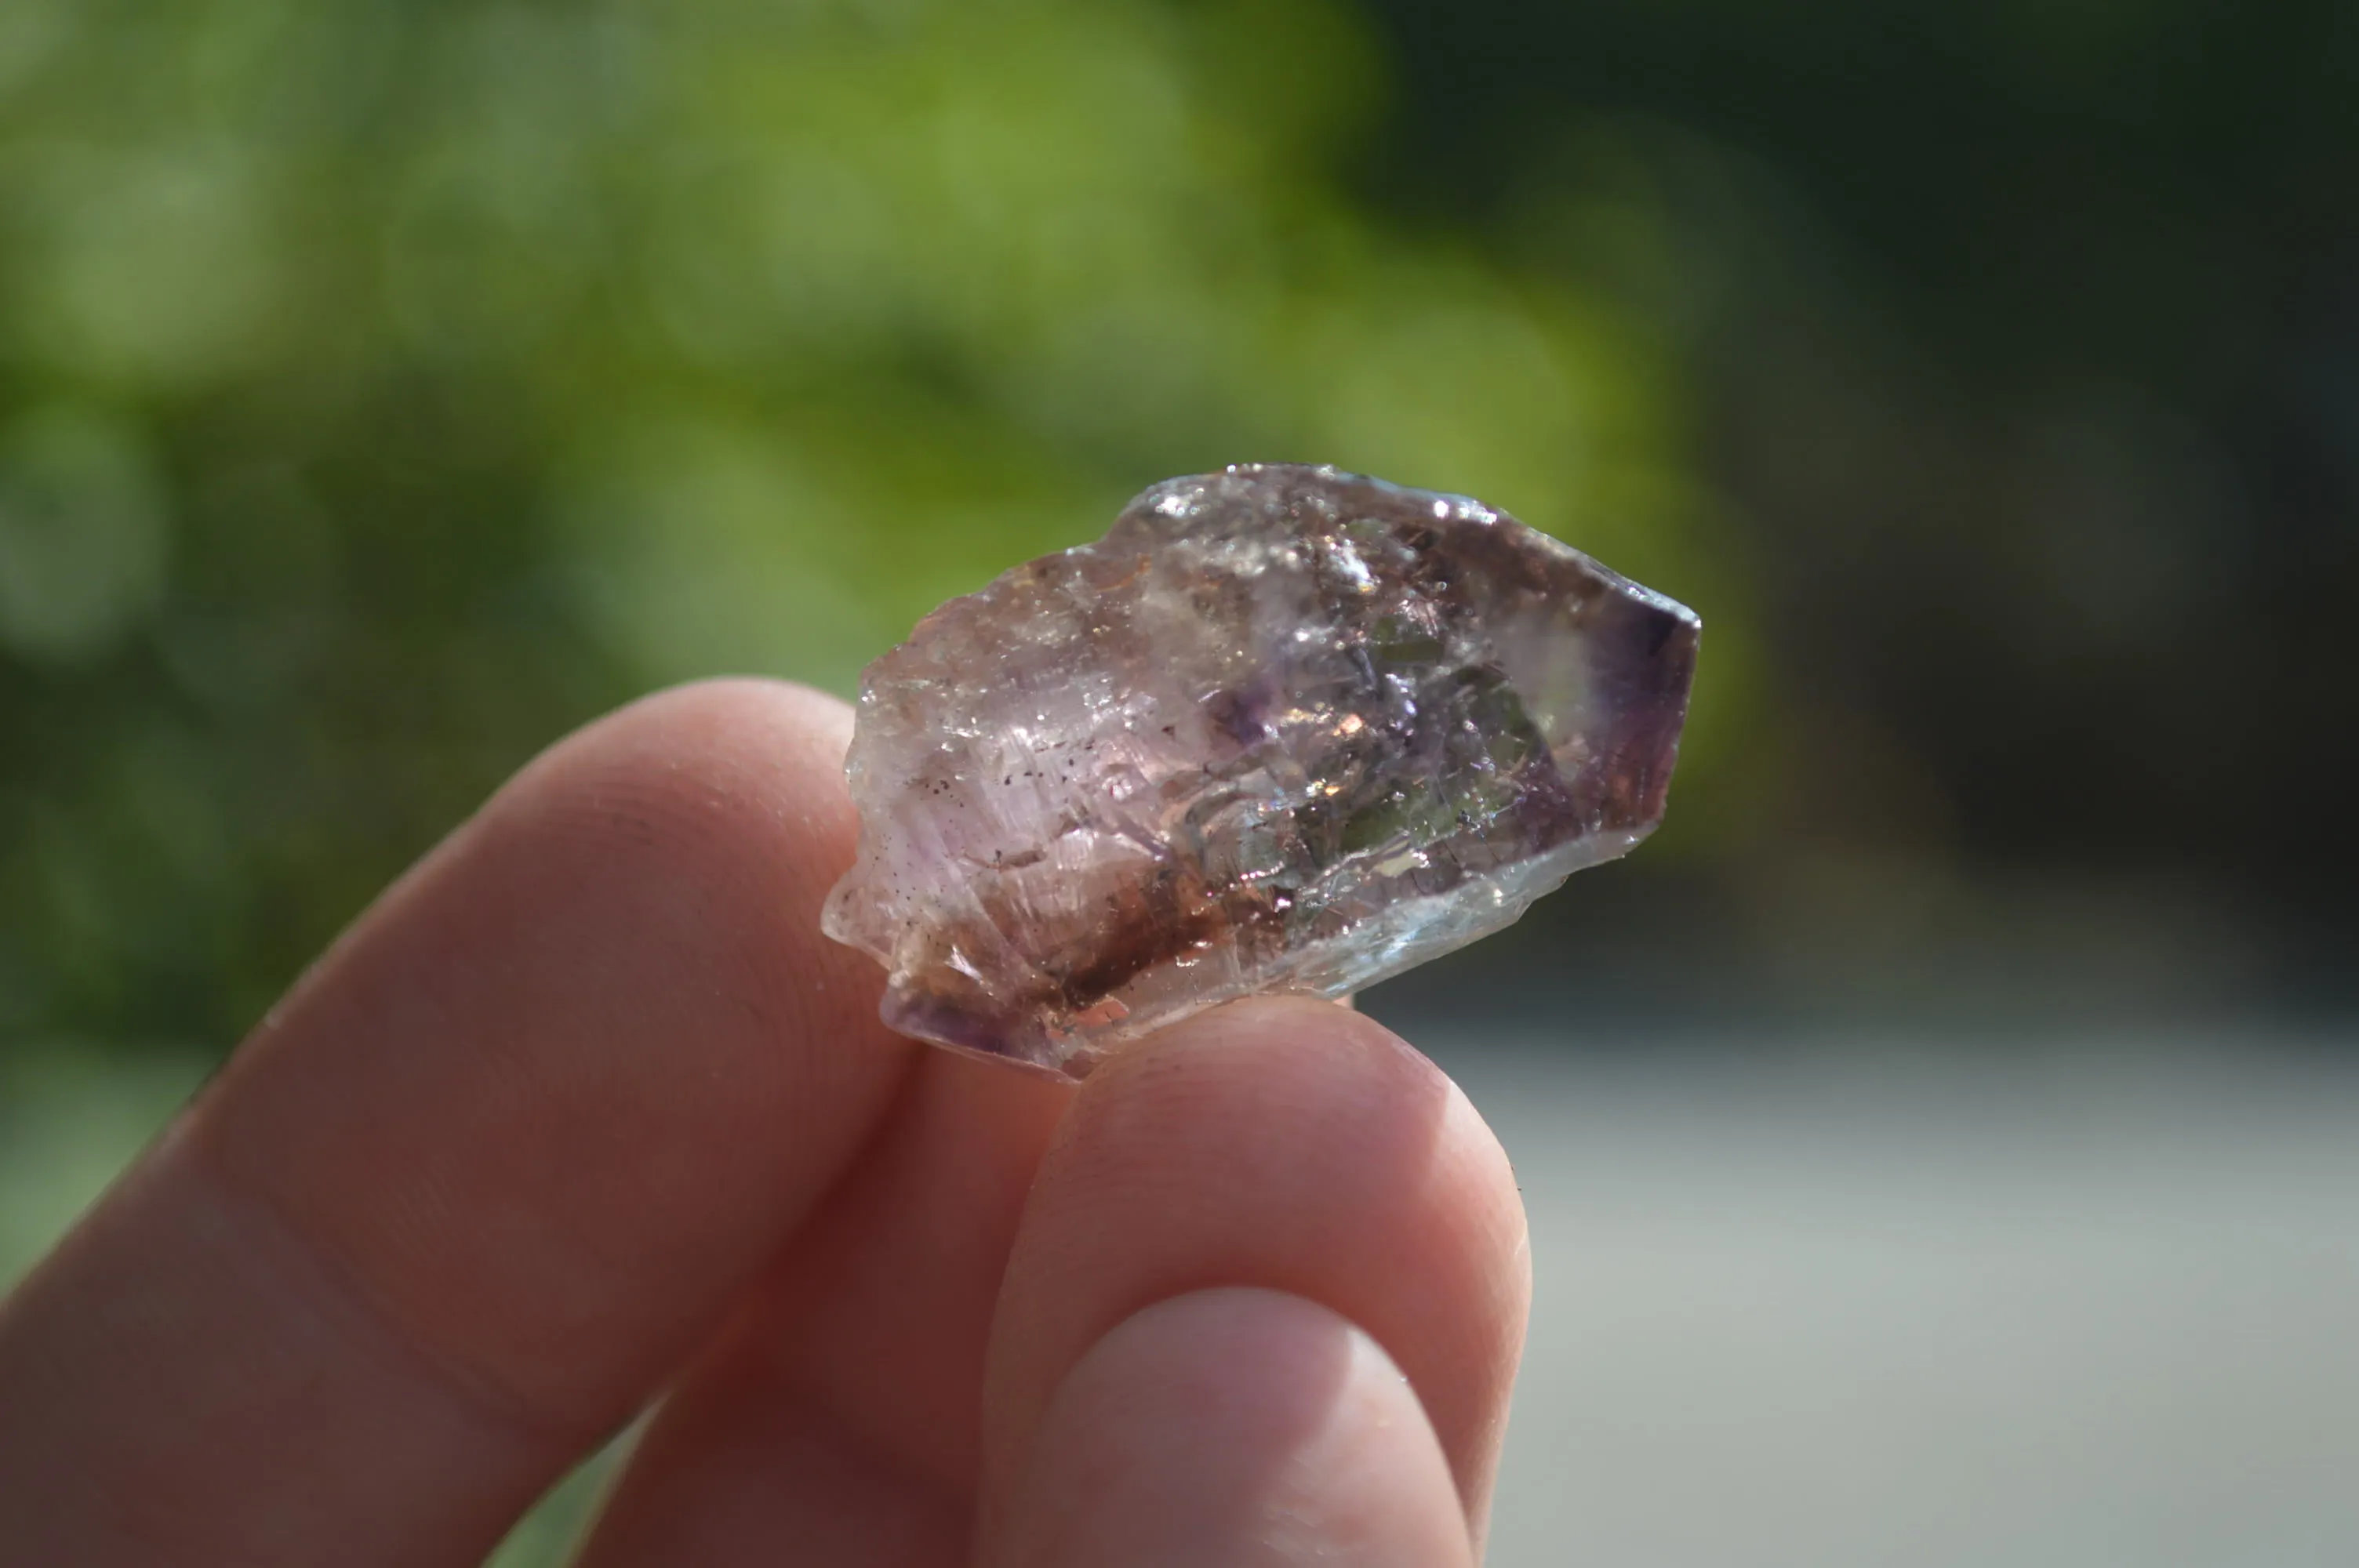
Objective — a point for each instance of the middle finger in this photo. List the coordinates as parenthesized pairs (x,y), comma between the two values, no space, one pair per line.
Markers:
(841,1410)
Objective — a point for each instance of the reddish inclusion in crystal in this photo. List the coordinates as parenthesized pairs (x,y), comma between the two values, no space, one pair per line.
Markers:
(1283,728)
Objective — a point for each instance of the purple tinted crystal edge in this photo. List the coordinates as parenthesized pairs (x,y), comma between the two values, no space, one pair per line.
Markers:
(1282,728)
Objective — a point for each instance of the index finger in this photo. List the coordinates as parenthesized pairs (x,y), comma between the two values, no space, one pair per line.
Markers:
(491,1171)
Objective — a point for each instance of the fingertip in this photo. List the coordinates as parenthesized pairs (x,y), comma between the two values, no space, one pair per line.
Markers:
(1237,1426)
(711,816)
(1304,1062)
(599,1037)
(1291,1047)
(1284,1143)
(502,1160)
(772,725)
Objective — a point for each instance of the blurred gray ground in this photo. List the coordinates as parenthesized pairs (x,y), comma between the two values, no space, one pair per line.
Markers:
(1988,1303)
(2082,1307)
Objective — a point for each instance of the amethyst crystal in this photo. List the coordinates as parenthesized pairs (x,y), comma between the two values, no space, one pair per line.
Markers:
(1283,728)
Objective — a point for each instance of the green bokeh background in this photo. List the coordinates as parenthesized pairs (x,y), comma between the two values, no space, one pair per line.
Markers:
(384,389)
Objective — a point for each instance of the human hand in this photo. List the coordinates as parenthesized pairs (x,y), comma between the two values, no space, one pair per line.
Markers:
(585,1111)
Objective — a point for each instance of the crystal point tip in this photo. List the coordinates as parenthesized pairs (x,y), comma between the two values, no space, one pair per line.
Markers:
(1282,728)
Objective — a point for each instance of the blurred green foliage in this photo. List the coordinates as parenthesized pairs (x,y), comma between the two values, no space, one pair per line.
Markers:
(385,387)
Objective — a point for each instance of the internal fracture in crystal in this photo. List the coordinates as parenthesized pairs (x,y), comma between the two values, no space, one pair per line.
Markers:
(1283,728)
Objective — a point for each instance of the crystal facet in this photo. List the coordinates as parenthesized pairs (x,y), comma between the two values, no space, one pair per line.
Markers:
(1283,728)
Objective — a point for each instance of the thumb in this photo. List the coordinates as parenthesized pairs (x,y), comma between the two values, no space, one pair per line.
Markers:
(1237,1427)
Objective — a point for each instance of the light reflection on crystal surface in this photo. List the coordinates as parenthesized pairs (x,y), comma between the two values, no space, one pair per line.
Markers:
(1283,728)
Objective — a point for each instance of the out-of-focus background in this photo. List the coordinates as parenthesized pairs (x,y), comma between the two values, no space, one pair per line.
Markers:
(1943,1137)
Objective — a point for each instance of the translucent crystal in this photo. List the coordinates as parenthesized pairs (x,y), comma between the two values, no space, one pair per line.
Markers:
(1283,728)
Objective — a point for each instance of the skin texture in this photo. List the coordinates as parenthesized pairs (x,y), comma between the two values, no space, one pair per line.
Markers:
(1239,1427)
(584,1114)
